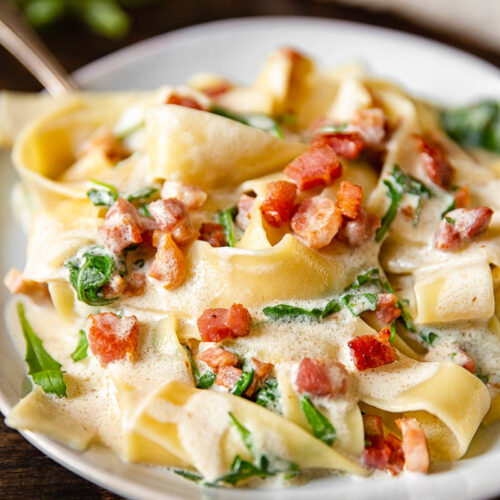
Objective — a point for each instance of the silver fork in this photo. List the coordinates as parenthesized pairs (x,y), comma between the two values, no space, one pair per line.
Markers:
(19,39)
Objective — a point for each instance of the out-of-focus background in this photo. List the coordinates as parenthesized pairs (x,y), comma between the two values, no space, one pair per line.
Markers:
(80,31)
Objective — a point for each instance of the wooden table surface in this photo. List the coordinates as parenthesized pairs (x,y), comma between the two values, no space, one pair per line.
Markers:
(24,471)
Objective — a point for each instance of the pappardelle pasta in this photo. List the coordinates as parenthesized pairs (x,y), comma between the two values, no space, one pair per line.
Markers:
(246,283)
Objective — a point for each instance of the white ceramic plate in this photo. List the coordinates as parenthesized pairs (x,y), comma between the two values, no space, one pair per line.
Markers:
(237,48)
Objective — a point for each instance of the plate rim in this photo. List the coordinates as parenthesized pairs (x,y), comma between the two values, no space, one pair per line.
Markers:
(58,452)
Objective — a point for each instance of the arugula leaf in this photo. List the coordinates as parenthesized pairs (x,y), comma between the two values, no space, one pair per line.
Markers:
(190,476)
(370,277)
(393,333)
(450,220)
(285,312)
(429,337)
(261,122)
(409,183)
(243,432)
(268,395)
(143,194)
(401,304)
(395,196)
(226,218)
(331,307)
(474,126)
(243,383)
(322,428)
(89,273)
(204,381)
(240,470)
(45,371)
(144,211)
(81,349)
(102,197)
(358,303)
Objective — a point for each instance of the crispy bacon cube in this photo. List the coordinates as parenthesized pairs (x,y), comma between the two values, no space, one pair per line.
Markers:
(217,324)
(462,197)
(262,370)
(278,205)
(168,214)
(317,221)
(218,89)
(371,123)
(135,284)
(355,232)
(182,100)
(122,226)
(349,198)
(15,282)
(374,429)
(397,459)
(387,311)
(228,376)
(462,225)
(414,448)
(317,166)
(169,264)
(216,357)
(436,166)
(112,338)
(348,145)
(377,457)
(464,360)
(245,206)
(110,146)
(213,234)
(372,351)
(321,378)
(193,197)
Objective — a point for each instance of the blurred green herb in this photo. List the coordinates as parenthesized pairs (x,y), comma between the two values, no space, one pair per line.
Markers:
(104,17)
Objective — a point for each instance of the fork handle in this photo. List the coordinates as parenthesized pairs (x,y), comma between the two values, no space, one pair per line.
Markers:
(24,44)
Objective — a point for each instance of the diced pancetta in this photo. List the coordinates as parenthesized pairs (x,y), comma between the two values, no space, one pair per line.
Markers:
(15,282)
(187,102)
(112,338)
(122,226)
(169,264)
(372,351)
(349,198)
(112,148)
(435,164)
(213,234)
(461,226)
(278,205)
(321,377)
(317,166)
(371,124)
(217,324)
(317,221)
(228,376)
(193,197)
(462,197)
(464,360)
(216,357)
(135,284)
(262,370)
(245,206)
(358,231)
(387,310)
(414,447)
(348,145)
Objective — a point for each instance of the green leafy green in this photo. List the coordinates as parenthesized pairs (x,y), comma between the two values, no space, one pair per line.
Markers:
(204,381)
(450,220)
(393,333)
(402,304)
(370,277)
(395,196)
(81,349)
(88,274)
(243,383)
(263,465)
(476,126)
(331,307)
(190,476)
(144,210)
(262,122)
(45,371)
(358,303)
(482,376)
(268,394)
(322,428)
(285,312)
(398,184)
(329,129)
(226,218)
(104,197)
(142,195)
(428,337)
(449,207)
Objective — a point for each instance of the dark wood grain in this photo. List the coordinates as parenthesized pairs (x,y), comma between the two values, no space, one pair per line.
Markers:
(25,473)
